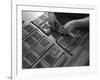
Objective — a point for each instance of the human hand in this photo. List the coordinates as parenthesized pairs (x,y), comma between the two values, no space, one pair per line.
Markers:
(53,22)
(68,27)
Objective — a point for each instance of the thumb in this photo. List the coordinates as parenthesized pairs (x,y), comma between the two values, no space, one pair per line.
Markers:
(51,20)
(69,26)
(62,30)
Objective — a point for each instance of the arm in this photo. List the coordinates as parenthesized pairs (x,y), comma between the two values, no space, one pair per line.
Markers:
(73,24)
(83,22)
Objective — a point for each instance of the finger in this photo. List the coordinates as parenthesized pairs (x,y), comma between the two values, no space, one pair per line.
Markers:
(70,25)
(56,26)
(61,29)
(70,28)
(65,31)
(52,26)
(51,20)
